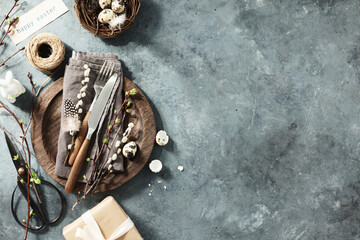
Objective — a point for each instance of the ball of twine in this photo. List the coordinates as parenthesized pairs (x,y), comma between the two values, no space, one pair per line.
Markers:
(45,52)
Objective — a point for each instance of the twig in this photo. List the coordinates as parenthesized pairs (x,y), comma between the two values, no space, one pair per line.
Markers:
(12,136)
(11,22)
(27,157)
(2,105)
(7,15)
(12,56)
(100,175)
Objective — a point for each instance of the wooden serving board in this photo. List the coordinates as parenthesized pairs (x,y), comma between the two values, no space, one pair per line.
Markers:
(45,129)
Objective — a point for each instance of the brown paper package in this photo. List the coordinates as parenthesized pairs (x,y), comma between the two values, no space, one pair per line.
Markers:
(108,215)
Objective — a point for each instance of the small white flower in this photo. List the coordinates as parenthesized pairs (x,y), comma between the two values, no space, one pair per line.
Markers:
(124,139)
(109,161)
(83,82)
(77,106)
(119,151)
(87,72)
(79,96)
(83,89)
(117,144)
(86,66)
(131,125)
(69,146)
(86,80)
(110,167)
(80,103)
(127,132)
(114,157)
(83,94)
(80,110)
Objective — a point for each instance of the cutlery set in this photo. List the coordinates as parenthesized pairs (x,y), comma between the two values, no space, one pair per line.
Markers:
(103,87)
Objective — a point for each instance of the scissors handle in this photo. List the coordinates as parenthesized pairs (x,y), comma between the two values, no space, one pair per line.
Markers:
(38,209)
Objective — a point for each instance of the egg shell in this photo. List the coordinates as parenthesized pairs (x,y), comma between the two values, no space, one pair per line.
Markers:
(155,166)
(162,138)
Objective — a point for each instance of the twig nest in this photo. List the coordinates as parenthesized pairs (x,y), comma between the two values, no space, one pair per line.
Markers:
(118,6)
(130,149)
(162,138)
(106,15)
(155,166)
(104,3)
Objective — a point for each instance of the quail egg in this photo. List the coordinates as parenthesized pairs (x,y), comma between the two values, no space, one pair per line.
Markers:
(130,149)
(104,3)
(106,15)
(118,6)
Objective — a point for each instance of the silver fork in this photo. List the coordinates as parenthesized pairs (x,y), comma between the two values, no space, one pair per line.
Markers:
(105,73)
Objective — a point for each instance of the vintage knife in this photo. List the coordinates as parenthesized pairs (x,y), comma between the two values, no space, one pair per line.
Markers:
(92,125)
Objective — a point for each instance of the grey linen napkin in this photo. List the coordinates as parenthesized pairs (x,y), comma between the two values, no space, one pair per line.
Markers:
(74,74)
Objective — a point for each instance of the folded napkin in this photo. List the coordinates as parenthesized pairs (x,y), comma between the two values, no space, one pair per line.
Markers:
(73,77)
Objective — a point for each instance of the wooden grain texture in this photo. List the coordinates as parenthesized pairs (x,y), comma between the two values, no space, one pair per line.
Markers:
(80,138)
(46,126)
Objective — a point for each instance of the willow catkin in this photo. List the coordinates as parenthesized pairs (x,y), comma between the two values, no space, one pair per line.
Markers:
(45,52)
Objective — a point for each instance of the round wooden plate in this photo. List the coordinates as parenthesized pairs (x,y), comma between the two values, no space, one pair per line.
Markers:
(45,129)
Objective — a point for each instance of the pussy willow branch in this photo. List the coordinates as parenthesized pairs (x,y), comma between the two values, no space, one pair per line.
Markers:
(93,168)
(7,15)
(3,64)
(100,176)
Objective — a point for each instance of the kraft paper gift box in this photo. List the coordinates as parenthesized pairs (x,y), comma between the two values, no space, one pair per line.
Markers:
(109,217)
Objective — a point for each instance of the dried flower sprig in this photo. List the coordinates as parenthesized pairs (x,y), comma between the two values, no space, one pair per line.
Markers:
(103,171)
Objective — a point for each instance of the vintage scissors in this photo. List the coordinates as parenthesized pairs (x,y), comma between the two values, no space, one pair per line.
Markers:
(40,218)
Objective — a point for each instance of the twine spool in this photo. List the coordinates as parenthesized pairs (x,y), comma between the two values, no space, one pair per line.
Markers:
(45,52)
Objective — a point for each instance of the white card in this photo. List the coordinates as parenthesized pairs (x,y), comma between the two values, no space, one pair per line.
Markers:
(36,18)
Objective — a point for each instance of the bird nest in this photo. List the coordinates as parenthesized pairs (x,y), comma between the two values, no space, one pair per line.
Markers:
(87,12)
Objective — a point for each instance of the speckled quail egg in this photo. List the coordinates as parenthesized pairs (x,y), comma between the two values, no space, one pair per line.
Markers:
(118,6)
(130,149)
(105,3)
(106,15)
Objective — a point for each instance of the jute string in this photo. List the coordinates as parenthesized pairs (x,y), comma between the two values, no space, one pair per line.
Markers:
(45,52)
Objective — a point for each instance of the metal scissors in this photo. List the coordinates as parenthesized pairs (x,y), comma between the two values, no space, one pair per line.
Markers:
(37,205)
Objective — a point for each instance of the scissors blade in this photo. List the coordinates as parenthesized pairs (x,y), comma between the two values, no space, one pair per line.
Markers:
(19,162)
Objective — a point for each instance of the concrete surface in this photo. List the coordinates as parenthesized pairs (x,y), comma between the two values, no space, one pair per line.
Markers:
(261,103)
